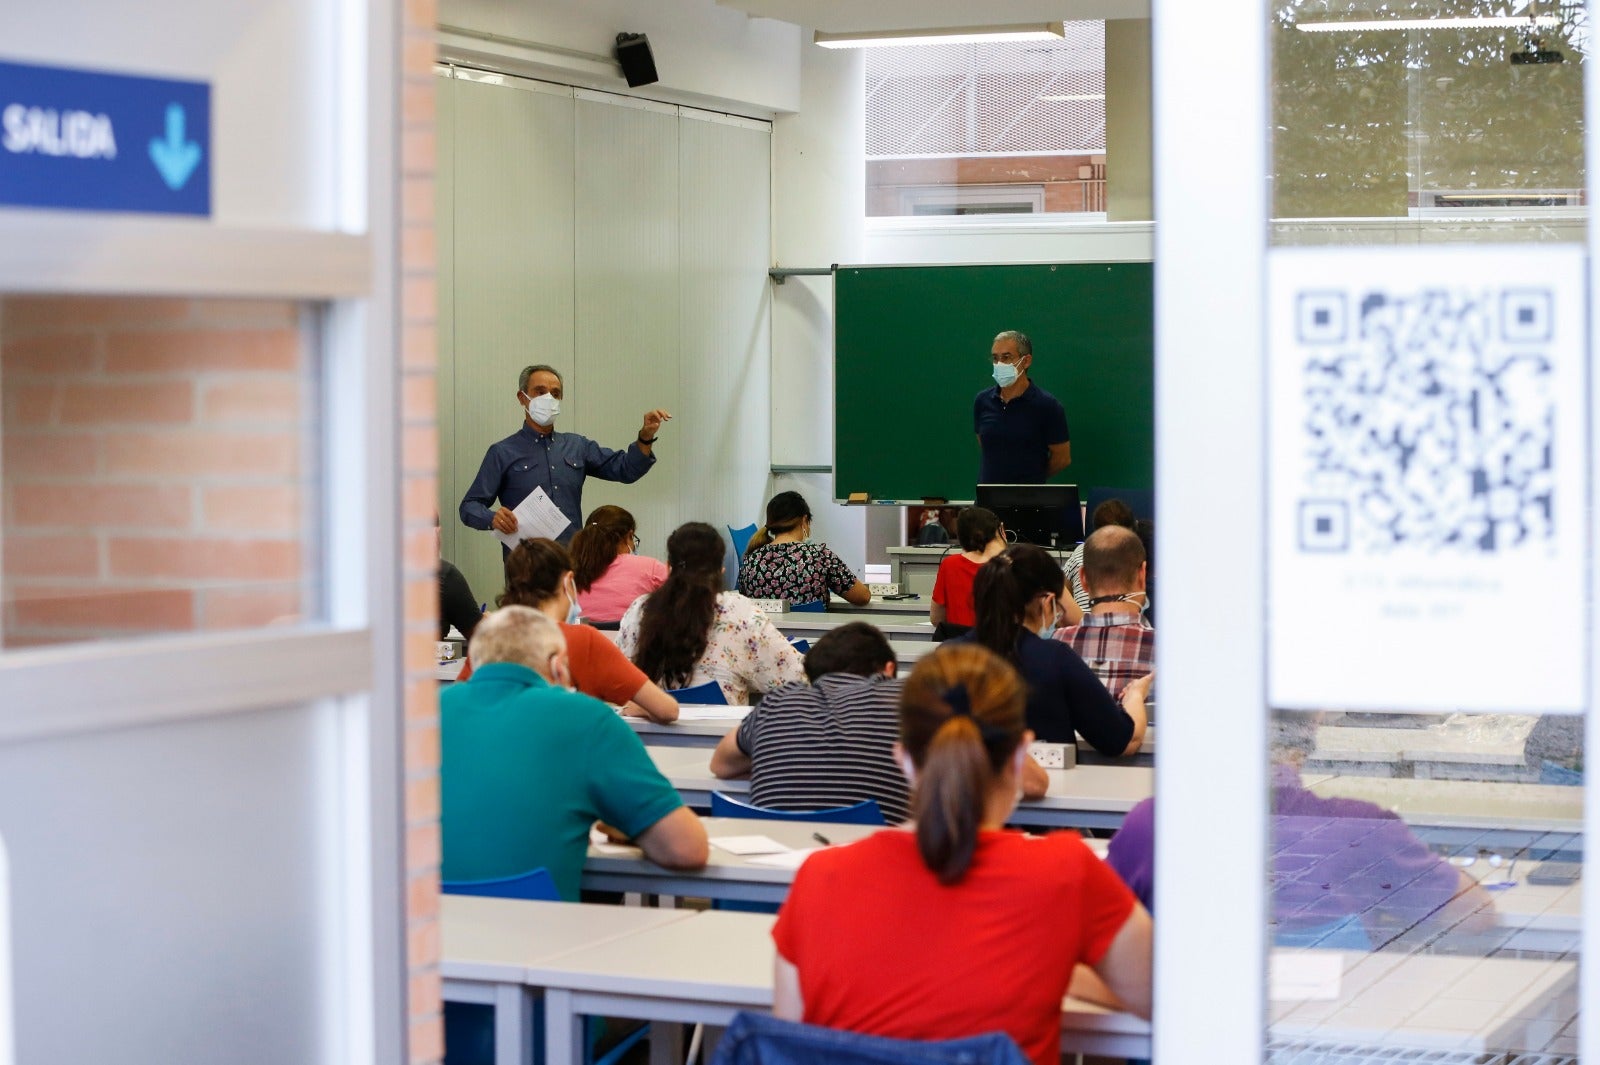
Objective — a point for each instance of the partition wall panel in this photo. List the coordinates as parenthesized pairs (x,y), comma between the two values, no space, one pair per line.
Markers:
(626,300)
(625,242)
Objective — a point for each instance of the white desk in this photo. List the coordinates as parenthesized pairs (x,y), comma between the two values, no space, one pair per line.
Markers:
(688,968)
(1435,1002)
(1475,746)
(488,944)
(1090,796)
(706,732)
(1464,803)
(812,625)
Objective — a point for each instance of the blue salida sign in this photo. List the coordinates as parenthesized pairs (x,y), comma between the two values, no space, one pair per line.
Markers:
(87,140)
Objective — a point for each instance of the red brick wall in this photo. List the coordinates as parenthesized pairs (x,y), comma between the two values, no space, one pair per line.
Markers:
(1071,182)
(420,460)
(153,460)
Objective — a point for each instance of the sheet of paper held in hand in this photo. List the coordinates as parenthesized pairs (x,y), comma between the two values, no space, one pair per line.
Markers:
(536,516)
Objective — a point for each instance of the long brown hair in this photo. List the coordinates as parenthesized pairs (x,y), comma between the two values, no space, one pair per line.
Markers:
(1002,590)
(533,573)
(675,624)
(597,545)
(961,719)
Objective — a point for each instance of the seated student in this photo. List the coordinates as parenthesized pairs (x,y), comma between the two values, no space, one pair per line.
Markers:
(1114,638)
(457,607)
(829,743)
(527,766)
(1111,512)
(608,573)
(1346,874)
(981,537)
(539,575)
(958,926)
(1016,595)
(782,562)
(689,631)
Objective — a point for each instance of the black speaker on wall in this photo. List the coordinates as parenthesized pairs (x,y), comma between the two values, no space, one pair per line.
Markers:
(638,65)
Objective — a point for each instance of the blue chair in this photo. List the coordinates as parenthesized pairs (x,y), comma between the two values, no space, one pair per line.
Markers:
(707,694)
(757,1039)
(866,812)
(537,885)
(803,646)
(740,539)
(819,607)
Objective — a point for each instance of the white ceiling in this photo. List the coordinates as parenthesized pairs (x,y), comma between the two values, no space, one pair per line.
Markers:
(840,16)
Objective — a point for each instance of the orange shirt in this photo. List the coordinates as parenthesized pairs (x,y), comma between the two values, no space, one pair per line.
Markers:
(884,949)
(598,667)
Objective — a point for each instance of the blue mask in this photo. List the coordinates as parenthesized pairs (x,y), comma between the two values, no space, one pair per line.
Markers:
(1048,631)
(1005,374)
(574,615)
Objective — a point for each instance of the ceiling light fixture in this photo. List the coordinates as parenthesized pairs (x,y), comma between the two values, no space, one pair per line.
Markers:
(1487,22)
(1038,31)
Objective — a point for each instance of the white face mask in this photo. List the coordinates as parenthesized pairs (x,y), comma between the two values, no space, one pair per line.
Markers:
(543,409)
(1005,374)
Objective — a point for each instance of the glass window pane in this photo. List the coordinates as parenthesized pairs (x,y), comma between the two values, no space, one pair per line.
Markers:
(159,464)
(1422,884)
(1009,127)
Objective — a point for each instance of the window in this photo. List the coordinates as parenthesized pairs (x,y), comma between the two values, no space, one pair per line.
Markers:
(994,128)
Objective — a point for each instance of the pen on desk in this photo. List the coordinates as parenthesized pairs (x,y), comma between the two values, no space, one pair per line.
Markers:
(820,838)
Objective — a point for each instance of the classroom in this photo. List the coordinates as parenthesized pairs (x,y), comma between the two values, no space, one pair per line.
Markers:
(1309,280)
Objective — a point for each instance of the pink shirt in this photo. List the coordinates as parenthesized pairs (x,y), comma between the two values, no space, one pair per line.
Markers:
(626,579)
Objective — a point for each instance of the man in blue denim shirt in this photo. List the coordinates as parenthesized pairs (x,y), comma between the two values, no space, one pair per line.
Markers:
(536,456)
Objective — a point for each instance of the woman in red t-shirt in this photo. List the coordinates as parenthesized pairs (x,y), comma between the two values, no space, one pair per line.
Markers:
(539,575)
(959,926)
(981,537)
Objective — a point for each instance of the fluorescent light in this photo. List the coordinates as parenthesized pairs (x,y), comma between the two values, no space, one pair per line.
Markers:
(1504,22)
(1076,96)
(1038,31)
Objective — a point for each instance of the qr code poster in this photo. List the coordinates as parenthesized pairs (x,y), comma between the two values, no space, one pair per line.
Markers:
(1426,479)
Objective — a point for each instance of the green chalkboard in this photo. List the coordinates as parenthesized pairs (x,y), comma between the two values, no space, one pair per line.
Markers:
(911,350)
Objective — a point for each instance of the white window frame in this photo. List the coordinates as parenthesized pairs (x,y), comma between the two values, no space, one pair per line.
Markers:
(353,659)
(914,196)
(1211,244)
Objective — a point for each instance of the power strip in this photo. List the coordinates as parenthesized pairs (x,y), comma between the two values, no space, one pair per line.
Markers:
(881,590)
(1054,755)
(773,606)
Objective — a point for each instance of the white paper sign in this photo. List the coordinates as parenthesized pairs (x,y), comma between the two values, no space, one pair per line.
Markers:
(536,517)
(1425,478)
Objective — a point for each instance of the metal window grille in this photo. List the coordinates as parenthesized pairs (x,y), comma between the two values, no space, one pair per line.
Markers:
(989,99)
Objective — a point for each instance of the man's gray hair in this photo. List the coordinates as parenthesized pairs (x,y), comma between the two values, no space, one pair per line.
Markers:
(516,634)
(1024,345)
(538,367)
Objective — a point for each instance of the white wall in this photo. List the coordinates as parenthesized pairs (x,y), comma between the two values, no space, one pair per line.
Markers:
(915,240)
(706,55)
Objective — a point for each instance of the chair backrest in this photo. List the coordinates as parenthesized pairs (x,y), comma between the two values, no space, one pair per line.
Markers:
(819,607)
(803,646)
(758,1039)
(707,694)
(866,812)
(738,540)
(537,885)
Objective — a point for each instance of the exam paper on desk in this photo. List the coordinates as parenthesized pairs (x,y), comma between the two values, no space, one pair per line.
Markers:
(745,845)
(536,517)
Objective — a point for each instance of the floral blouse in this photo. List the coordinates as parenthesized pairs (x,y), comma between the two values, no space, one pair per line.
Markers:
(745,652)
(801,572)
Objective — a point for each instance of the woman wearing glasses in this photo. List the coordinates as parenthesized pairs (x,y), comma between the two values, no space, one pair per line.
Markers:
(608,573)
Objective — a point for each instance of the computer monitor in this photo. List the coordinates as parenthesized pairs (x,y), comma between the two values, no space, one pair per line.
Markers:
(1045,514)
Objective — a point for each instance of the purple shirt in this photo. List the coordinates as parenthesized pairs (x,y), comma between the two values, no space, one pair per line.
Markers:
(1332,859)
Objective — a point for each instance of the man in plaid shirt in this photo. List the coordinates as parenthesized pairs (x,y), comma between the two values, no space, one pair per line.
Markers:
(1114,638)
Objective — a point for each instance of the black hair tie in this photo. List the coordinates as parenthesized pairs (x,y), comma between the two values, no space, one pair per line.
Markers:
(960,702)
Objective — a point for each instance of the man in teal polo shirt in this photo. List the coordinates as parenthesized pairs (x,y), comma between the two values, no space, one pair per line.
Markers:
(528,766)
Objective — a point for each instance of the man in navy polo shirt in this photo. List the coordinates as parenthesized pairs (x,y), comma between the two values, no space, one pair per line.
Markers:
(1022,429)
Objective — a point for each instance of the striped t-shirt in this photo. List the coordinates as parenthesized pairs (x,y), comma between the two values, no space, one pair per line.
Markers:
(814,747)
